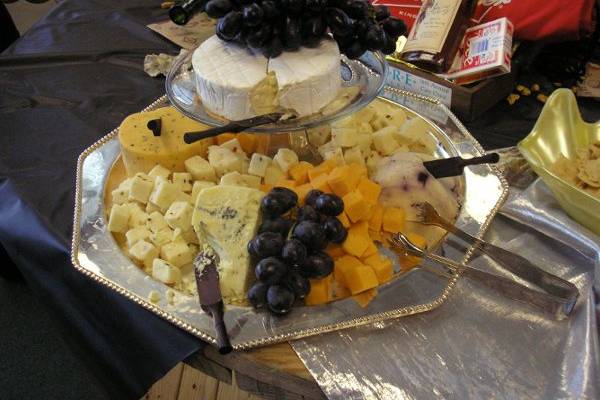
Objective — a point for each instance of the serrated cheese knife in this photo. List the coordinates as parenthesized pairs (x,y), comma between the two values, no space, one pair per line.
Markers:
(209,292)
(232,127)
(454,166)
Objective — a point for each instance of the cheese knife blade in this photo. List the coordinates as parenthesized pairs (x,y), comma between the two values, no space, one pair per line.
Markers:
(232,127)
(209,294)
(453,166)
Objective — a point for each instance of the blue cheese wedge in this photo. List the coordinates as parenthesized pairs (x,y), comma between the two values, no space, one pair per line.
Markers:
(226,218)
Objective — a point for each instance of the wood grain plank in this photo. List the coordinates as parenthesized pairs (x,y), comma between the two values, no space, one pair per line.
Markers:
(199,362)
(197,386)
(167,387)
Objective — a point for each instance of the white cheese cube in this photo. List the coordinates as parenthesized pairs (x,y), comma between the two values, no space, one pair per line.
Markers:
(346,122)
(141,187)
(326,148)
(319,136)
(200,169)
(354,155)
(235,146)
(384,140)
(161,237)
(258,164)
(183,180)
(379,122)
(156,222)
(187,237)
(197,187)
(245,165)
(118,219)
(395,118)
(285,158)
(237,179)
(165,272)
(224,160)
(184,197)
(151,207)
(373,161)
(336,154)
(273,174)
(365,128)
(136,234)
(164,193)
(365,141)
(121,194)
(366,114)
(179,215)
(159,170)
(137,217)
(176,253)
(344,136)
(144,253)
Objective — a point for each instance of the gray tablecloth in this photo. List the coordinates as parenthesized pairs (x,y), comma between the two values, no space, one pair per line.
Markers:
(478,344)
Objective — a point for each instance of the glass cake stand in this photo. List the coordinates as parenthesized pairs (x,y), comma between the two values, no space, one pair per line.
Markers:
(362,81)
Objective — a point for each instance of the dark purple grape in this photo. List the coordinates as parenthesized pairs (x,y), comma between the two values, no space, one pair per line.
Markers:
(277,203)
(374,38)
(298,284)
(344,41)
(271,270)
(313,26)
(257,295)
(393,26)
(273,49)
(244,2)
(270,9)
(381,13)
(335,230)
(311,197)
(294,252)
(389,45)
(266,244)
(361,27)
(317,265)
(253,14)
(311,41)
(277,225)
(280,299)
(292,6)
(357,9)
(230,25)
(311,234)
(316,5)
(338,21)
(218,8)
(259,36)
(329,204)
(355,50)
(290,196)
(292,39)
(307,213)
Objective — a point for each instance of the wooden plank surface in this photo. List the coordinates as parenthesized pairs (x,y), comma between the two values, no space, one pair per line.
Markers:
(168,386)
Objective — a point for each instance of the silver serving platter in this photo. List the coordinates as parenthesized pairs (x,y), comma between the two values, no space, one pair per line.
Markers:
(96,254)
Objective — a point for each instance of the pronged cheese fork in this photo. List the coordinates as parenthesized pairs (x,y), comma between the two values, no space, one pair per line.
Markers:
(520,266)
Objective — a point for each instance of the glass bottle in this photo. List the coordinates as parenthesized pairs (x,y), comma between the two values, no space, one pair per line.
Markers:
(437,33)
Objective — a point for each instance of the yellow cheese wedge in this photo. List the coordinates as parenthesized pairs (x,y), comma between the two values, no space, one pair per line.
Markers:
(141,150)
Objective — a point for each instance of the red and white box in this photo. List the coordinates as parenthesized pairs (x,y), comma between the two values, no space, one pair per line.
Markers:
(484,52)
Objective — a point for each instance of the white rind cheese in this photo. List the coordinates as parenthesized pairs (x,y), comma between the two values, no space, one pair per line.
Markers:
(308,79)
(236,83)
(227,218)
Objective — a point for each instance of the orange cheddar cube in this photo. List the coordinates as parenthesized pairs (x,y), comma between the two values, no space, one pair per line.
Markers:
(342,180)
(335,251)
(361,227)
(324,168)
(355,206)
(408,261)
(302,191)
(370,190)
(262,144)
(265,187)
(341,267)
(225,137)
(320,182)
(375,235)
(344,220)
(341,292)
(360,279)
(382,266)
(376,218)
(356,242)
(393,219)
(371,250)
(320,292)
(299,172)
(363,299)
(286,183)
(359,170)
(248,141)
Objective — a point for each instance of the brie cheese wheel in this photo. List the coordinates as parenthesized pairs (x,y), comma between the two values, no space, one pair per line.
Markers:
(237,83)
(227,218)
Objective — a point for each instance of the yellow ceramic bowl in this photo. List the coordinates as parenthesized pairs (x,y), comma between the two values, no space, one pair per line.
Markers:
(560,130)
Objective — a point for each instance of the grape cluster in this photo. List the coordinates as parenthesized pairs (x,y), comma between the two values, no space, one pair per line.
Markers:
(288,249)
(274,26)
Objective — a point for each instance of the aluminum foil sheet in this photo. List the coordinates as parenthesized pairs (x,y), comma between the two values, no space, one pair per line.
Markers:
(479,345)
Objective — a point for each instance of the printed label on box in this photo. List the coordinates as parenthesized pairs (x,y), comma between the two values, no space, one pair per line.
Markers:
(412,83)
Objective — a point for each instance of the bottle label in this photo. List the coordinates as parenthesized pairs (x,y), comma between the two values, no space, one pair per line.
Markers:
(432,26)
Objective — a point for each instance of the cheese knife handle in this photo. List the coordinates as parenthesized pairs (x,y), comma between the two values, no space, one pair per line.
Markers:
(222,337)
(191,137)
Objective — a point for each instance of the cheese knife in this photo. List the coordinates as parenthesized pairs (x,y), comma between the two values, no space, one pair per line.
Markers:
(232,127)
(209,292)
(453,166)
